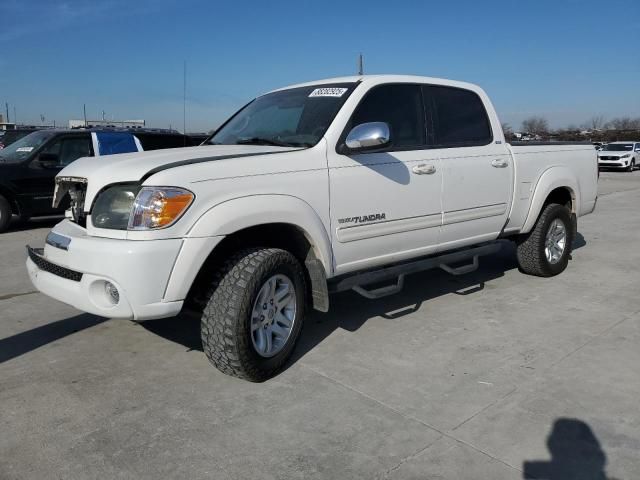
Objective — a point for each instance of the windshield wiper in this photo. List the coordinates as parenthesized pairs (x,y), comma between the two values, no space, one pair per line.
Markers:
(263,141)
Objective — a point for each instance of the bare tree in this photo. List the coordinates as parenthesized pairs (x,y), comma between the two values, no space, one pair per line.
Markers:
(596,122)
(535,125)
(507,130)
(624,123)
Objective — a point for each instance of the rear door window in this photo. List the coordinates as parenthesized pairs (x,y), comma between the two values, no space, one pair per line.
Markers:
(458,116)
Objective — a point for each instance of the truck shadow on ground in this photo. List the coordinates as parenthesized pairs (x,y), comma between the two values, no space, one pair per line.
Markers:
(25,342)
(349,311)
(576,454)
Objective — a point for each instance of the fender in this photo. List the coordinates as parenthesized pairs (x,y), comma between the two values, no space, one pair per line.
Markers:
(224,219)
(552,178)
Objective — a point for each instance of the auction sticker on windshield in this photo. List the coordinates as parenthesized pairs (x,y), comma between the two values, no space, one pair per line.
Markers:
(328,92)
(24,149)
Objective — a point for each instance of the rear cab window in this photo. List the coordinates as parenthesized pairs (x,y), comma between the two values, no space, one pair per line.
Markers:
(459,117)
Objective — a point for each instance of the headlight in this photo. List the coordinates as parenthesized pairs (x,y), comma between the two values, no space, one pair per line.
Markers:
(113,207)
(132,207)
(158,207)
(626,155)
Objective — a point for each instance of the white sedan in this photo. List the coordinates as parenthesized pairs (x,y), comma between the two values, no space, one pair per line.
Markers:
(620,155)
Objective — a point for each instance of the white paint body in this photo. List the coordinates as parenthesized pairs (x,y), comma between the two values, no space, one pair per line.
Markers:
(466,201)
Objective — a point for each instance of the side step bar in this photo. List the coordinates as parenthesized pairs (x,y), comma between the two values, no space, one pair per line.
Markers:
(398,272)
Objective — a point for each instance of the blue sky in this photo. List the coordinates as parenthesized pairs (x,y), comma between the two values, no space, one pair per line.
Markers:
(566,60)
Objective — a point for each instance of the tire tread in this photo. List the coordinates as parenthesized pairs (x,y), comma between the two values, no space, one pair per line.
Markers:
(224,339)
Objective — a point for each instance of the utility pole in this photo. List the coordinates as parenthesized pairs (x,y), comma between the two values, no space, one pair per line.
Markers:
(184,100)
(360,65)
(84,112)
(6,106)
(15,117)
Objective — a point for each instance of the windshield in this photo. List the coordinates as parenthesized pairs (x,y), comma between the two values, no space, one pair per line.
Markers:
(618,147)
(297,117)
(22,149)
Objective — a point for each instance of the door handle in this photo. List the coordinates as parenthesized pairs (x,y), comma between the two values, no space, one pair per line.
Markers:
(423,169)
(499,163)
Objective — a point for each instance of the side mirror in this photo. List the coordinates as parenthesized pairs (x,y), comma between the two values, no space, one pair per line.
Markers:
(49,160)
(368,136)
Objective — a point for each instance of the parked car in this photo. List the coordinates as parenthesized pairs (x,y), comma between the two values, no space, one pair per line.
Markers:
(320,187)
(28,167)
(625,155)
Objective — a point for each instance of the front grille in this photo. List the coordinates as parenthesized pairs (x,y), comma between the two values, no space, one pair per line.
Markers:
(609,158)
(43,264)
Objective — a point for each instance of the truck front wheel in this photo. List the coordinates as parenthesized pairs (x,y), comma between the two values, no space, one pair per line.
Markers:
(254,313)
(545,250)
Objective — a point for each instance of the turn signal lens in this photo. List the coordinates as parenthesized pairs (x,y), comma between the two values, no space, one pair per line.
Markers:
(158,207)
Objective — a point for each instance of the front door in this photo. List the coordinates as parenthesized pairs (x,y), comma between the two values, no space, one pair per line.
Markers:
(385,206)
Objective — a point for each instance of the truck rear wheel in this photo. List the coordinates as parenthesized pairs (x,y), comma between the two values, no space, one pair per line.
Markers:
(5,214)
(545,250)
(254,313)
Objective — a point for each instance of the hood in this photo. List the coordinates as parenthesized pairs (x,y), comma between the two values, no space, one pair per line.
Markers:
(140,166)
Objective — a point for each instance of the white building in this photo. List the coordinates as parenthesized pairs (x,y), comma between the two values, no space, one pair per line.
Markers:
(107,123)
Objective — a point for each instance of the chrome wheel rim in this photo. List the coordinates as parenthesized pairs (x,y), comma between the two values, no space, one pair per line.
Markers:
(556,241)
(273,315)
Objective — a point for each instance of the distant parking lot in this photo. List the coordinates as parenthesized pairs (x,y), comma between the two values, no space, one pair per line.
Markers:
(493,375)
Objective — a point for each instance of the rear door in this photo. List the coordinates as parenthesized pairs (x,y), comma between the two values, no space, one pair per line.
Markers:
(477,169)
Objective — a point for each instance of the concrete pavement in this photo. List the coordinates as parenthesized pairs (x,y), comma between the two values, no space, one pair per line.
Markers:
(493,375)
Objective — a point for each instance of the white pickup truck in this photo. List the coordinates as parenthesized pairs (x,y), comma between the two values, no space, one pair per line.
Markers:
(314,188)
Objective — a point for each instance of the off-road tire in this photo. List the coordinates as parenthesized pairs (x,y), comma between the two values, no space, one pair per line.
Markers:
(530,247)
(226,317)
(5,214)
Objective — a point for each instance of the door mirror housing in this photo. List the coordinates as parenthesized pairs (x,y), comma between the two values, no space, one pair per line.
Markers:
(368,136)
(49,160)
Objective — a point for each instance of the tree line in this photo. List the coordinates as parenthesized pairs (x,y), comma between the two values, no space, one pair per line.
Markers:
(597,128)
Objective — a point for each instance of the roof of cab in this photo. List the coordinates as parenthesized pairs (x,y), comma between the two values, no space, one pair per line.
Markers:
(378,79)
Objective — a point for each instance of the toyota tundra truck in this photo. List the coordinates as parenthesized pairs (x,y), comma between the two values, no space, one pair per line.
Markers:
(339,184)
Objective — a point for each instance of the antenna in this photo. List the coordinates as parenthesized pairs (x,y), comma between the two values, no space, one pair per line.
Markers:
(184,102)
(6,106)
(360,65)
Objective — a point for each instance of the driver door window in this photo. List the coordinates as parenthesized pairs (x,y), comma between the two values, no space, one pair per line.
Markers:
(400,106)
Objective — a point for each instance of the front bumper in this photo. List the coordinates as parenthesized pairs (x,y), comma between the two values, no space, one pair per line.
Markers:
(140,270)
(623,163)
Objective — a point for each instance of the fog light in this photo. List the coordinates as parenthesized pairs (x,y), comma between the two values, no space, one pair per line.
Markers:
(112,292)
